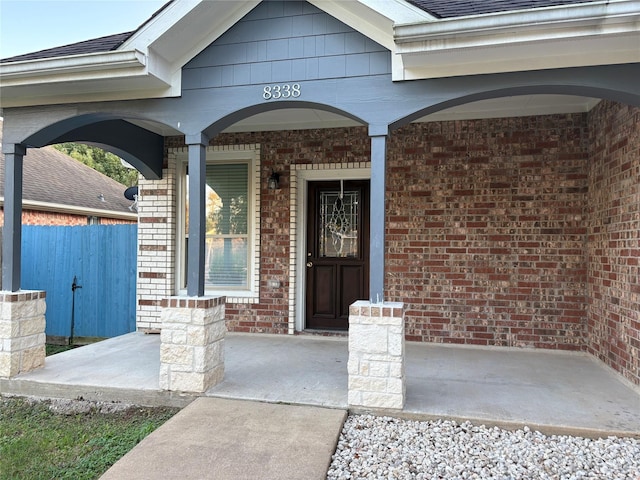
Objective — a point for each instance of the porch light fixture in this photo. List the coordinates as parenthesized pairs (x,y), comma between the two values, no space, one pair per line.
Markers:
(274,181)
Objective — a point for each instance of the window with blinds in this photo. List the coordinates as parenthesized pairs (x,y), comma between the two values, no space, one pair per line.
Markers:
(227,240)
(227,228)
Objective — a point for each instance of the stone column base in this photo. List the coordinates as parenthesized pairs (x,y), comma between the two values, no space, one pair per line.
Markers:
(192,343)
(22,337)
(376,355)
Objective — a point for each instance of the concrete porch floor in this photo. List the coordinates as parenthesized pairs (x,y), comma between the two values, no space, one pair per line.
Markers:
(555,392)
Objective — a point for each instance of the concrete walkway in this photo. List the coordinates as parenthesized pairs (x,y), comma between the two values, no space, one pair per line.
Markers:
(232,439)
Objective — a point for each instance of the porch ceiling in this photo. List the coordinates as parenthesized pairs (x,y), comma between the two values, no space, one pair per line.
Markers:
(301,119)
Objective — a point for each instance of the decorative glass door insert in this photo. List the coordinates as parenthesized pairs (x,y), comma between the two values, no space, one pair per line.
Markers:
(339,224)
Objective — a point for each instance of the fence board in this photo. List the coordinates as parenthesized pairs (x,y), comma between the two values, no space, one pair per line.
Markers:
(102,257)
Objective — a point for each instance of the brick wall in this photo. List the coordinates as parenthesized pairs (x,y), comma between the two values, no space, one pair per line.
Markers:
(35,217)
(614,238)
(157,230)
(278,152)
(486,227)
(486,230)
(156,245)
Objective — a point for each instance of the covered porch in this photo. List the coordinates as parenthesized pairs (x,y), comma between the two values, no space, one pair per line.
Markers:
(555,392)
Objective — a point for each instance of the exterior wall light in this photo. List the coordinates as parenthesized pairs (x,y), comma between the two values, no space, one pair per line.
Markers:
(274,181)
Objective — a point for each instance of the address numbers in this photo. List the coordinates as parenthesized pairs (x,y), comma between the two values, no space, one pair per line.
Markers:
(285,90)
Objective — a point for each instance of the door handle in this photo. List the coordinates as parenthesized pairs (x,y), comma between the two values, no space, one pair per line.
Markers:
(309,264)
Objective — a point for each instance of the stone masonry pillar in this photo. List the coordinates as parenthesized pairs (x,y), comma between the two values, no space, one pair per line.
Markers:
(192,343)
(22,337)
(376,355)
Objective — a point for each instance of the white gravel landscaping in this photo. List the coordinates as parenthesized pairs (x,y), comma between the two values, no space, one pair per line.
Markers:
(373,447)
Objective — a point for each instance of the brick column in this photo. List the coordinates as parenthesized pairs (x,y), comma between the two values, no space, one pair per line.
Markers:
(22,337)
(157,236)
(376,355)
(192,343)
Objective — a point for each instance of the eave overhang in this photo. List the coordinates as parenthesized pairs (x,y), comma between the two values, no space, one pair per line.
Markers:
(599,33)
(74,210)
(116,75)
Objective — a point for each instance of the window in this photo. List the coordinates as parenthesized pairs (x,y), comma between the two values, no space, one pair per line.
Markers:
(227,234)
(231,266)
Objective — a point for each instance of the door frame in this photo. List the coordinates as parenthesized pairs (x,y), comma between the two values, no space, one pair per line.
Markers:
(302,179)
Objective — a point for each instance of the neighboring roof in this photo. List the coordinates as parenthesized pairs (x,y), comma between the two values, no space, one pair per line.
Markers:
(461,8)
(95,45)
(54,178)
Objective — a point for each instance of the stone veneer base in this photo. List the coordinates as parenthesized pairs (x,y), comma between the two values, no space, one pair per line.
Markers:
(22,337)
(192,343)
(376,355)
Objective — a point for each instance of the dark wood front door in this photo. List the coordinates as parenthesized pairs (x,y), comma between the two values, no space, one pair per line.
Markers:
(337,251)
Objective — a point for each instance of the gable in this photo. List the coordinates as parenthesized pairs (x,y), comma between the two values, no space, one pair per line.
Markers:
(285,41)
(177,43)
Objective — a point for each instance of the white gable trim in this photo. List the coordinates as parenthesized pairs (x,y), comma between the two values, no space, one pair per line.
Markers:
(186,27)
(373,18)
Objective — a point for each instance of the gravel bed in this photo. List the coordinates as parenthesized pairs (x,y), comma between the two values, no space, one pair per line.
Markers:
(373,447)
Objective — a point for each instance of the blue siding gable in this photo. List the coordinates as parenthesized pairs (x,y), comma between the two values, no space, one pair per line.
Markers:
(285,41)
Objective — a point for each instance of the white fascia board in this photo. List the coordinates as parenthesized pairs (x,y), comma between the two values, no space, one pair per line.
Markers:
(400,11)
(92,66)
(117,75)
(74,210)
(577,35)
(540,55)
(372,18)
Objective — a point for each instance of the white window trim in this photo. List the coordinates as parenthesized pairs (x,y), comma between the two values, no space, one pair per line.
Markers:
(224,154)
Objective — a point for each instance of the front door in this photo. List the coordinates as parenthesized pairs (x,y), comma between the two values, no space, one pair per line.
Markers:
(337,251)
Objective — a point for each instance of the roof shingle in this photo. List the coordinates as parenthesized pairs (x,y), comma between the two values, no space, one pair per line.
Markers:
(96,45)
(461,8)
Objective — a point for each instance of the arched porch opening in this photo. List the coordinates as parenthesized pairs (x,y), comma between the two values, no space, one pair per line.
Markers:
(291,139)
(504,229)
(139,146)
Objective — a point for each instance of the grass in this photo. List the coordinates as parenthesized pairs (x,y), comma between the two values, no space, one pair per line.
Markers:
(36,443)
(53,349)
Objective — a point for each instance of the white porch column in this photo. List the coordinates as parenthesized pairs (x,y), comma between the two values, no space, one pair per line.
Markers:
(376,355)
(22,337)
(192,343)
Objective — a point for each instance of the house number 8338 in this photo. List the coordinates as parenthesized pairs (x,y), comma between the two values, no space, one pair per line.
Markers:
(286,90)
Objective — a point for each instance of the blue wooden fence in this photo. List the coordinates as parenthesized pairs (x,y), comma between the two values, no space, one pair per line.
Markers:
(103,260)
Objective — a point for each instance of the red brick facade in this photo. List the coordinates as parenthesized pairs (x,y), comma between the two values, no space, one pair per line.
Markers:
(512,232)
(486,230)
(614,238)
